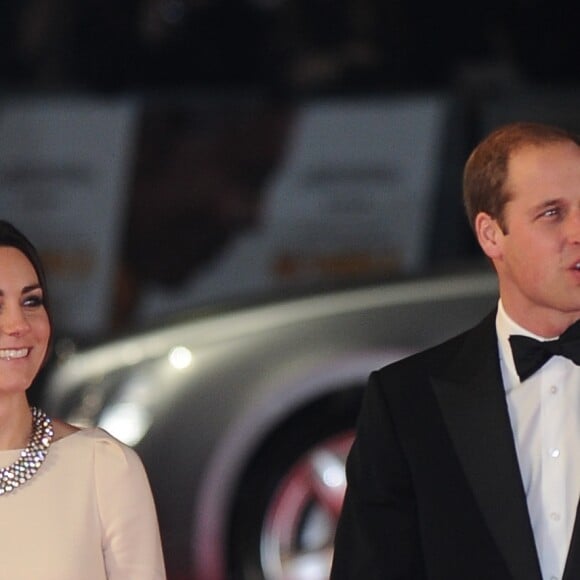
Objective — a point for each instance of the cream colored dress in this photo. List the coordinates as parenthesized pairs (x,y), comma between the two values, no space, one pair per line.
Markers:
(87,514)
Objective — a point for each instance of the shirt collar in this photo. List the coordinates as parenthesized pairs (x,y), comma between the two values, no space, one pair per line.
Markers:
(505,327)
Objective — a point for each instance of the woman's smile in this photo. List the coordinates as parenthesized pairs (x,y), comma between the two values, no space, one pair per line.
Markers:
(13,353)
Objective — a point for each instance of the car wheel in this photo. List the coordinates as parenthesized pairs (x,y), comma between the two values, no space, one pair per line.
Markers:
(289,500)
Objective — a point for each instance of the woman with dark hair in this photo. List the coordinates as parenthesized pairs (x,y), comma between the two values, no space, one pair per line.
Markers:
(74,503)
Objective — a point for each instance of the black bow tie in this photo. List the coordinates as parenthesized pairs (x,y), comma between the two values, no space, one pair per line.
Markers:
(531,354)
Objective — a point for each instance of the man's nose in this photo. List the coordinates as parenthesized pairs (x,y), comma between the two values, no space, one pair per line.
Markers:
(573,227)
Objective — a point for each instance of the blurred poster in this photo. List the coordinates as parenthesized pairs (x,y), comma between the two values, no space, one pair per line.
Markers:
(354,194)
(64,166)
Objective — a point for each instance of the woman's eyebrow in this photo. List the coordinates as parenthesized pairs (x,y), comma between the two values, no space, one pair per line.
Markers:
(26,289)
(30,288)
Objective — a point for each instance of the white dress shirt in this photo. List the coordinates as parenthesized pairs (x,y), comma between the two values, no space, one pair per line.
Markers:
(545,416)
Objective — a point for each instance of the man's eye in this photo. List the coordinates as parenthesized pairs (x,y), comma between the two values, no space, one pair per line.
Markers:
(551,212)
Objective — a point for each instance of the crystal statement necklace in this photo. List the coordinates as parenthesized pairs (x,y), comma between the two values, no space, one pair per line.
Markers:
(32,457)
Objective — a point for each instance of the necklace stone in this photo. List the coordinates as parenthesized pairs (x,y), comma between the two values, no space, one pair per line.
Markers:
(32,457)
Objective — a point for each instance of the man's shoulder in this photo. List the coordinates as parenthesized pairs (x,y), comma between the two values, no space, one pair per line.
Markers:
(432,359)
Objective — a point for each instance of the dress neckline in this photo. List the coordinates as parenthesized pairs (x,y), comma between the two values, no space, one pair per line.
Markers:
(8,453)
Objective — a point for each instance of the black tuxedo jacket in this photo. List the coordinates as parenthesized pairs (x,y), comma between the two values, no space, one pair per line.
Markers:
(434,487)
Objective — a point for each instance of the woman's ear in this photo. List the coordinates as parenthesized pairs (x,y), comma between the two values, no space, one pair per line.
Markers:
(489,235)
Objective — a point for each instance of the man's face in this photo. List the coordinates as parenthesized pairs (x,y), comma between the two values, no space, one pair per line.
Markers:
(538,257)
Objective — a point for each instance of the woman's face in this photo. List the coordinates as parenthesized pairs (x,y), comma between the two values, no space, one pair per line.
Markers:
(24,323)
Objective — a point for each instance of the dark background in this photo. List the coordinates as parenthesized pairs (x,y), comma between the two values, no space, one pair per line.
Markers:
(285,47)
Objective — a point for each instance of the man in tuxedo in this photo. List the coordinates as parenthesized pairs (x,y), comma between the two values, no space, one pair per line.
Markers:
(466,463)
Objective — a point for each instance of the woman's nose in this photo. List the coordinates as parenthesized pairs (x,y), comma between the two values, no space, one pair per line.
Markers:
(13,321)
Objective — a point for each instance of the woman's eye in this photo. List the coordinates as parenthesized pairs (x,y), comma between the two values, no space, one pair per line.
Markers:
(33,301)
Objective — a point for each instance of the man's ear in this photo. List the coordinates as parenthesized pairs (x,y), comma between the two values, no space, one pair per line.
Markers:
(489,235)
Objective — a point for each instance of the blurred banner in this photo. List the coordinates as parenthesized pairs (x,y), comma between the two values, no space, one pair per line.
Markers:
(64,165)
(349,195)
(141,209)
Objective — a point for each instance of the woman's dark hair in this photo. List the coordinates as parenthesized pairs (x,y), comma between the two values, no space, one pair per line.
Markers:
(14,238)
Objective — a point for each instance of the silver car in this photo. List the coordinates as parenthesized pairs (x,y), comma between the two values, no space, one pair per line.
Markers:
(244,415)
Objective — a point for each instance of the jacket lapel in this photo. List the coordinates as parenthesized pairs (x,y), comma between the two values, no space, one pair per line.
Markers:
(572,569)
(473,406)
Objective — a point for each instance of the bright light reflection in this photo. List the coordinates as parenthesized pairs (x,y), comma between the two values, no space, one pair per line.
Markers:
(180,357)
(127,422)
(330,468)
(334,476)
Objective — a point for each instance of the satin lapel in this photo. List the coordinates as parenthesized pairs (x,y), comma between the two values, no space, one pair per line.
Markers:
(572,569)
(472,402)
